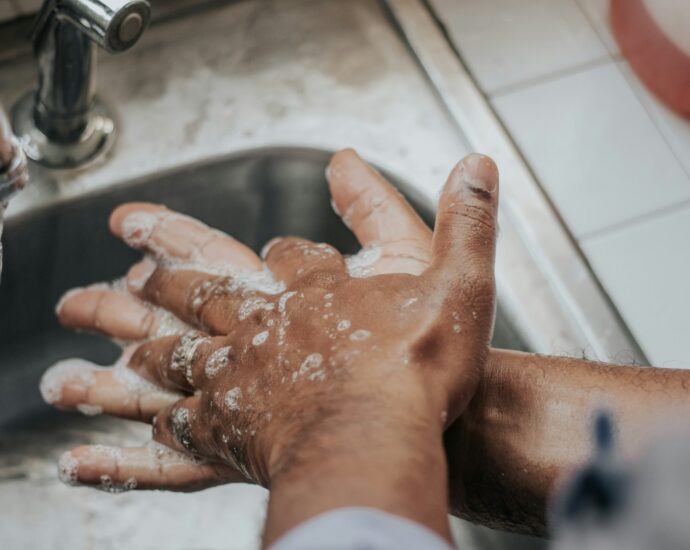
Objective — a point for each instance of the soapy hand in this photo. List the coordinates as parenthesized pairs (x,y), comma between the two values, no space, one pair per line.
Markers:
(276,359)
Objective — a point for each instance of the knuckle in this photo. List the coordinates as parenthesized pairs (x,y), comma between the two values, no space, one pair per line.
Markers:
(314,252)
(256,311)
(157,421)
(408,249)
(207,243)
(369,201)
(478,283)
(283,248)
(185,355)
(480,216)
(180,425)
(204,294)
(300,255)
(100,313)
(148,324)
(154,283)
(319,276)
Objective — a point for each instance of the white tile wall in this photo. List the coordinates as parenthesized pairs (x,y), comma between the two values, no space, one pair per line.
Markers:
(506,42)
(594,149)
(675,129)
(613,159)
(597,12)
(645,269)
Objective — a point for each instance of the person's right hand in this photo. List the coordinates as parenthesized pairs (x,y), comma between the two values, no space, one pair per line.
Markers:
(376,213)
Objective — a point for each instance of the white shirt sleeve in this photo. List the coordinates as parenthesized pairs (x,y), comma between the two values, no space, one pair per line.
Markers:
(360,529)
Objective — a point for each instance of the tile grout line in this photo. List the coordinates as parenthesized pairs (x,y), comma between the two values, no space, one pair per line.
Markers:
(595,28)
(576,243)
(619,58)
(616,58)
(655,120)
(550,77)
(637,220)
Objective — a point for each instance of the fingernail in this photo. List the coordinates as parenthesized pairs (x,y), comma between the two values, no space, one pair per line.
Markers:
(479,173)
(267,247)
(89,410)
(75,372)
(65,297)
(140,273)
(334,172)
(137,227)
(68,469)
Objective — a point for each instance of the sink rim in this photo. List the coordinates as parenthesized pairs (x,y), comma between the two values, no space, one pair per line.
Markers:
(408,188)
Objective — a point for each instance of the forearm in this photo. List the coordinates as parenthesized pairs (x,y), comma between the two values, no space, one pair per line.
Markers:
(391,462)
(530,423)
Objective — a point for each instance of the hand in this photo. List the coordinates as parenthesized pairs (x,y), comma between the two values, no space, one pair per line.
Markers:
(405,250)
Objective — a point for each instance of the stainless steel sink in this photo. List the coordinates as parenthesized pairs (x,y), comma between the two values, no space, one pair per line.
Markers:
(252,196)
(213,79)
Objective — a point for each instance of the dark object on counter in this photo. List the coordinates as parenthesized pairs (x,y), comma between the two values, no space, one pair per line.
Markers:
(613,504)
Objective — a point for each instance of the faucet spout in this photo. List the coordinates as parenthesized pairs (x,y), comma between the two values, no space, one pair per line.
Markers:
(63,122)
(115,25)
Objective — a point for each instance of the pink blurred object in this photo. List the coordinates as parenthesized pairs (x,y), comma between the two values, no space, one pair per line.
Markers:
(654,36)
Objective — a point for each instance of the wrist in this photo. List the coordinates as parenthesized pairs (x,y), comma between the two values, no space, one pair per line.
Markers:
(466,441)
(378,445)
(392,464)
(359,420)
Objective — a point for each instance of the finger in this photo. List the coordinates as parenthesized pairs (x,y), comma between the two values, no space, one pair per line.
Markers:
(465,234)
(372,207)
(292,258)
(210,302)
(78,385)
(170,235)
(378,215)
(183,362)
(180,427)
(116,469)
(115,313)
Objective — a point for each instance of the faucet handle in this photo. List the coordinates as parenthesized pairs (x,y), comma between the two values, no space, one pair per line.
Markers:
(115,25)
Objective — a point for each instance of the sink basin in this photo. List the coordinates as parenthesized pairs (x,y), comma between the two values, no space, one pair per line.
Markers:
(253,196)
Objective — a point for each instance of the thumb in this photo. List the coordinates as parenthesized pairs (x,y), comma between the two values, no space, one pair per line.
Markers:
(464,240)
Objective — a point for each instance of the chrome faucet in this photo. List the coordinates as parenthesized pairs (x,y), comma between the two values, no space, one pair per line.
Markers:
(14,172)
(63,124)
